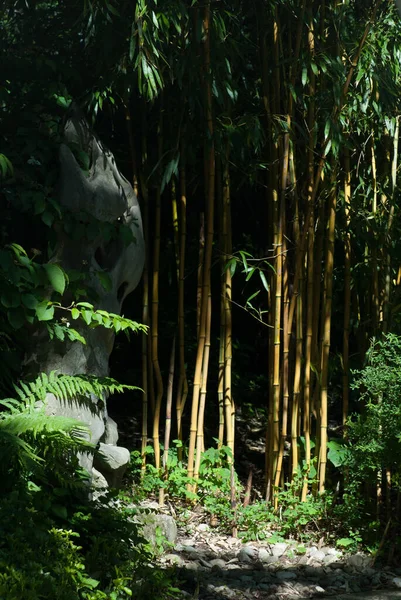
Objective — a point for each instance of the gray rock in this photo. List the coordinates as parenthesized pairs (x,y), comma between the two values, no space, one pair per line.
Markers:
(319,590)
(110,435)
(173,559)
(329,559)
(332,552)
(271,560)
(154,525)
(358,561)
(188,542)
(318,556)
(99,485)
(112,461)
(203,527)
(248,554)
(218,563)
(397,581)
(103,193)
(264,555)
(191,550)
(279,549)
(286,575)
(99,482)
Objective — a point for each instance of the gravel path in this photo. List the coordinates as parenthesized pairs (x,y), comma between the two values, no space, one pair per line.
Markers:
(217,567)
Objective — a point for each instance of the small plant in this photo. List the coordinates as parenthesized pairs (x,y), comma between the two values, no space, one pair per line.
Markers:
(301,519)
(350,543)
(255,521)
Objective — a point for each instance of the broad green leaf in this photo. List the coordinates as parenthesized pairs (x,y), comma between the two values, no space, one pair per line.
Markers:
(56,277)
(16,317)
(29,300)
(48,218)
(75,313)
(87,316)
(45,311)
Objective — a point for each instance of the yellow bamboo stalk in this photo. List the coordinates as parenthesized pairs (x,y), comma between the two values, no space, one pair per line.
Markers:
(387,285)
(223,265)
(155,313)
(167,431)
(328,285)
(375,271)
(210,159)
(286,339)
(228,398)
(347,283)
(182,387)
(203,389)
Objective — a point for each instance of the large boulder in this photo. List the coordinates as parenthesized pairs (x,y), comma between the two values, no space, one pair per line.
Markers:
(101,196)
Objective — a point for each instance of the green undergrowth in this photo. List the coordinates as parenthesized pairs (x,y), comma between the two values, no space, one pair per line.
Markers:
(257,521)
(54,544)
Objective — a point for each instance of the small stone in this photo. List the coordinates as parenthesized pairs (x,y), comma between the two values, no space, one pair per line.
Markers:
(190,550)
(194,566)
(286,575)
(319,590)
(153,524)
(264,555)
(247,554)
(279,549)
(329,559)
(271,560)
(188,542)
(218,563)
(332,552)
(397,581)
(358,561)
(318,555)
(203,527)
(174,559)
(310,551)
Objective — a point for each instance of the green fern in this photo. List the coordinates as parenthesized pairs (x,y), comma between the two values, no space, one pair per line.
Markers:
(29,437)
(68,387)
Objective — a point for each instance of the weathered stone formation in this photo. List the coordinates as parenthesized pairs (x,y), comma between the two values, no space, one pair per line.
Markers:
(103,193)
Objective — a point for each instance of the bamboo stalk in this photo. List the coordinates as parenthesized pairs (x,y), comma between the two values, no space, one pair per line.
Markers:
(329,265)
(228,399)
(210,159)
(182,386)
(203,389)
(167,432)
(155,311)
(375,271)
(286,339)
(387,286)
(347,283)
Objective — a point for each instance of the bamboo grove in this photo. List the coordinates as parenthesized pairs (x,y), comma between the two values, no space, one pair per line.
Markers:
(262,142)
(289,110)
